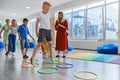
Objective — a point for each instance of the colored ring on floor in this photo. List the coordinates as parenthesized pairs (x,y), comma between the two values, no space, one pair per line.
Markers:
(64,67)
(32,66)
(77,76)
(45,68)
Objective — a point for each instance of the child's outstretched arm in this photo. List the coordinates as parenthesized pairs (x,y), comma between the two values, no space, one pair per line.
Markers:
(36,27)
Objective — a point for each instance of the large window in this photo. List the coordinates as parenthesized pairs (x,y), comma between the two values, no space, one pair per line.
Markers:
(109,1)
(68,17)
(94,23)
(112,21)
(78,25)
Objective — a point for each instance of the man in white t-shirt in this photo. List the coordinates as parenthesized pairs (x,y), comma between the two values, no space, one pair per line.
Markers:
(44,31)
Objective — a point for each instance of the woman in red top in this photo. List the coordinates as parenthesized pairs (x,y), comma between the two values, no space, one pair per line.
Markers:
(61,26)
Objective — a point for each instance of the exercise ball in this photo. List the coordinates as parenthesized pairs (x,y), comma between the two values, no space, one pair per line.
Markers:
(32,44)
(70,48)
(1,44)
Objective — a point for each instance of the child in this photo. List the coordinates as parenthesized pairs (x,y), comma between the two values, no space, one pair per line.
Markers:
(22,34)
(5,35)
(44,31)
(12,37)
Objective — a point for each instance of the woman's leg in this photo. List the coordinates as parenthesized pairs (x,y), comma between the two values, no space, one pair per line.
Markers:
(58,54)
(64,53)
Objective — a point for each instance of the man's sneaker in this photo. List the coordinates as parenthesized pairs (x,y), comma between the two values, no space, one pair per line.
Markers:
(32,61)
(7,53)
(25,57)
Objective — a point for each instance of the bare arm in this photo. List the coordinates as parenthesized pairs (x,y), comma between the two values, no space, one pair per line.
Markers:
(1,31)
(62,26)
(36,26)
(31,37)
(19,36)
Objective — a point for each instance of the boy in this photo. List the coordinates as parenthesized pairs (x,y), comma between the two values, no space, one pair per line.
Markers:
(22,34)
(5,35)
(44,31)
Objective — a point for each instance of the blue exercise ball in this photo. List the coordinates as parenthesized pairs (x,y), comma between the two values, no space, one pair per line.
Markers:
(70,48)
(1,44)
(32,44)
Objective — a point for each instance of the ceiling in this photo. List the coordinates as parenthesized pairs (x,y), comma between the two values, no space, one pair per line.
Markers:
(17,8)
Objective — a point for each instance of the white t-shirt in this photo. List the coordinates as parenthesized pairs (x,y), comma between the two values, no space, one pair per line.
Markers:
(13,30)
(44,20)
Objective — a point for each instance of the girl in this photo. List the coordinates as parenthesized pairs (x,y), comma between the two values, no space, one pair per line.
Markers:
(61,27)
(12,37)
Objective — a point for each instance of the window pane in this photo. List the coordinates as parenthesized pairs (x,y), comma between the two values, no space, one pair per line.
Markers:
(94,23)
(96,4)
(109,1)
(112,21)
(78,25)
(68,17)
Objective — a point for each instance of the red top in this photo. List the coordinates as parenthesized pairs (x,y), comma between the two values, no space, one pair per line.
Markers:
(61,36)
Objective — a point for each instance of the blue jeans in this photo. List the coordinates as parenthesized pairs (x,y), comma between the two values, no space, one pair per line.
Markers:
(11,42)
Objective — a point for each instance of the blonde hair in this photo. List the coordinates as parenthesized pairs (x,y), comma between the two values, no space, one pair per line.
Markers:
(47,3)
(62,16)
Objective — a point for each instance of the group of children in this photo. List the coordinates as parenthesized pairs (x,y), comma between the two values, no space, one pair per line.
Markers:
(9,37)
(44,33)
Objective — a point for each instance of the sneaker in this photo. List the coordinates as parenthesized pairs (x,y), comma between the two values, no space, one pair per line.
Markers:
(25,57)
(64,56)
(52,59)
(7,53)
(32,61)
(57,55)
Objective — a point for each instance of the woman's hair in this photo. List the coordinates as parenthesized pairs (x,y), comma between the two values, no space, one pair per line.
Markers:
(60,13)
(62,16)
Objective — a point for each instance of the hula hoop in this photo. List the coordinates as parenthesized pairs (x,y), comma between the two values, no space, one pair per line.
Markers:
(66,67)
(45,68)
(76,75)
(26,65)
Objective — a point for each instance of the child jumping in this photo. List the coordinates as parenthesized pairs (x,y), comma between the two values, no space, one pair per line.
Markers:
(23,32)
(44,31)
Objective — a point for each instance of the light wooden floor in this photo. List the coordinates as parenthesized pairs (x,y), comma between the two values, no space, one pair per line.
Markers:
(10,69)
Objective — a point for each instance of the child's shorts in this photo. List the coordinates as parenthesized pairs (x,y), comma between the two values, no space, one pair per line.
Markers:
(44,33)
(24,43)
